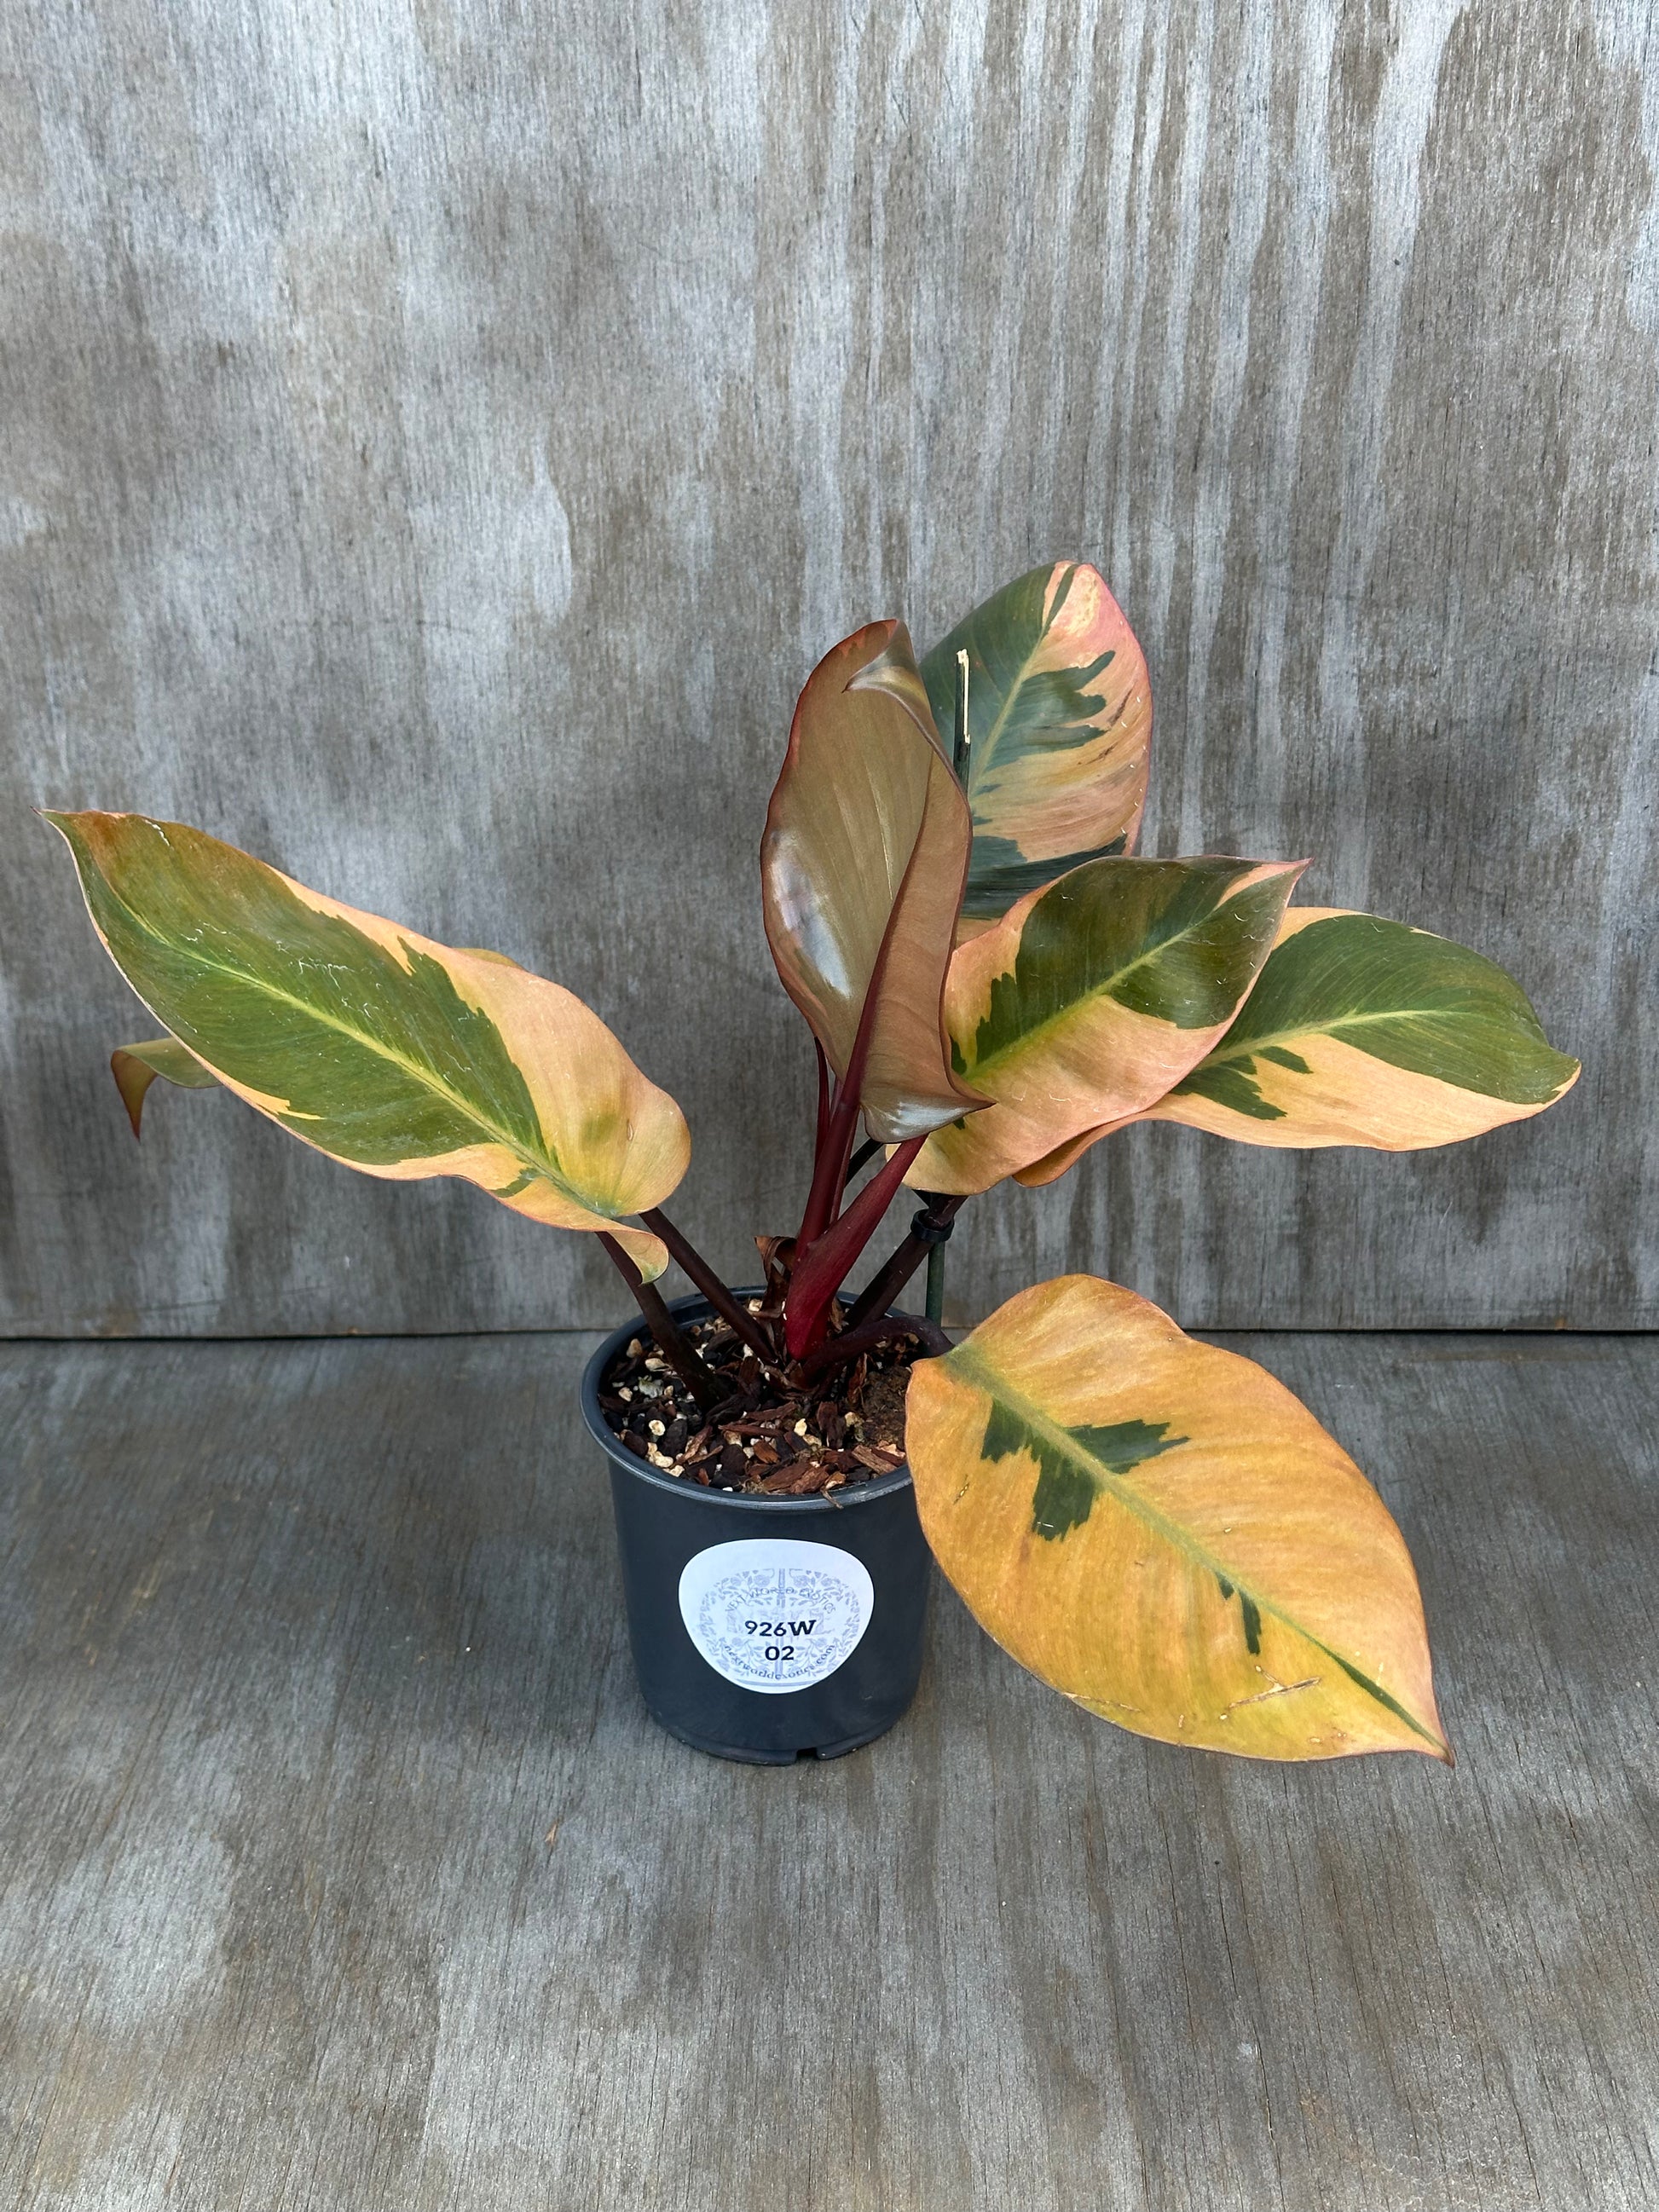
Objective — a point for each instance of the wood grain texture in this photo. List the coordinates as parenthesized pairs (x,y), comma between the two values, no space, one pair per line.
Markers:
(339,1864)
(439,442)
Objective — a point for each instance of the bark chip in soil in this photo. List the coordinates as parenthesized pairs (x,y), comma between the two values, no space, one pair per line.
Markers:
(766,1439)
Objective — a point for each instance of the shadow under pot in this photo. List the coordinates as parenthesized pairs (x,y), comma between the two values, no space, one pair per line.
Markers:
(765,1629)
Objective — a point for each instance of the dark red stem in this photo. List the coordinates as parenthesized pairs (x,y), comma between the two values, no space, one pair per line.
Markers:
(836,1351)
(705,1388)
(730,1310)
(879,1292)
(865,1153)
(840,1126)
(823,1096)
(828,1168)
(820,1272)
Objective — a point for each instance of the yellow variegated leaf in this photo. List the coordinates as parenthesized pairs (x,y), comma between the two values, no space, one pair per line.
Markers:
(1162,1532)
(397,1055)
(135,1066)
(1361,1031)
(1059,716)
(1091,997)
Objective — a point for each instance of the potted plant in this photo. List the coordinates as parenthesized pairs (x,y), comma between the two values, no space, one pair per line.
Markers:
(1153,1526)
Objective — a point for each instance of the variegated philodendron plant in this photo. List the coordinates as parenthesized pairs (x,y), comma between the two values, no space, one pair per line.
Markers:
(1155,1527)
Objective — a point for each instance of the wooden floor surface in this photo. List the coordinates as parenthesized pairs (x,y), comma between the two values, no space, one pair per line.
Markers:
(340,1868)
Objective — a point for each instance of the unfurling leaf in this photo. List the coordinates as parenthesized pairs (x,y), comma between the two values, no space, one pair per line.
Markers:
(135,1066)
(391,1052)
(862,868)
(1361,1031)
(1162,1532)
(1059,716)
(1090,998)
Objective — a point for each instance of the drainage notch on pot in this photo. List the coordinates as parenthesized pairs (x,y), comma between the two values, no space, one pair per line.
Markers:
(765,1629)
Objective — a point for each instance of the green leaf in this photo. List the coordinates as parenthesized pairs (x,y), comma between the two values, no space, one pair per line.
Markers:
(1362,1031)
(1060,714)
(395,1054)
(1092,997)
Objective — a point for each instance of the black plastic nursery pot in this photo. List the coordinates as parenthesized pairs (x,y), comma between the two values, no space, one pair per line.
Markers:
(765,1629)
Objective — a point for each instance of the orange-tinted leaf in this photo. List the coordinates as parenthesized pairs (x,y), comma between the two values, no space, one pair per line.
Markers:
(399,1056)
(1360,1031)
(1060,714)
(1091,997)
(135,1066)
(862,867)
(1161,1531)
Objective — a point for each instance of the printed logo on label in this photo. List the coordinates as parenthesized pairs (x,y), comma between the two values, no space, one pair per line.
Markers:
(772,1613)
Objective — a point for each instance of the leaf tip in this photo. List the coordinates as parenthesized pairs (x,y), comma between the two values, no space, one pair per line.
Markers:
(1432,1740)
(132,1080)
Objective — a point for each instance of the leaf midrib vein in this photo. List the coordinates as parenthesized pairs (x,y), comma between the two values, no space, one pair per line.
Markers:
(985,752)
(983,755)
(413,1068)
(1324,1028)
(989,1380)
(1105,988)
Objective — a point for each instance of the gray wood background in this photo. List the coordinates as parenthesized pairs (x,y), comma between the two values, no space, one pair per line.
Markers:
(436,441)
(340,1870)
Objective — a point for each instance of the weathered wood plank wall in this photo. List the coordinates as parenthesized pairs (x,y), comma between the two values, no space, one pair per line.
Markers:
(437,440)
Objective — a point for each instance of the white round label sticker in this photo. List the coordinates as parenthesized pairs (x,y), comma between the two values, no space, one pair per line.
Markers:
(773,1613)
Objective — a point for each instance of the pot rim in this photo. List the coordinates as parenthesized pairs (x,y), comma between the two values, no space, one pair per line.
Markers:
(677,1486)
